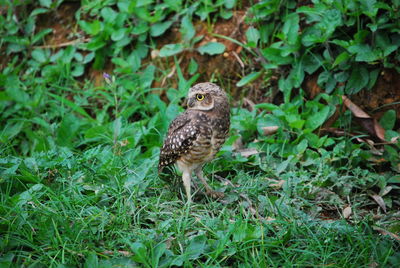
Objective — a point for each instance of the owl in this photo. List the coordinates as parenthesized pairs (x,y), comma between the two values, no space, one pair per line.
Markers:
(195,136)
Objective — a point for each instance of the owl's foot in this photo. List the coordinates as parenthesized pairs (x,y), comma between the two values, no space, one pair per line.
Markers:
(215,194)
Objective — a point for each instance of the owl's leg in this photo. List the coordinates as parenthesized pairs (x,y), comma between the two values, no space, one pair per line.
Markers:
(186,177)
(209,190)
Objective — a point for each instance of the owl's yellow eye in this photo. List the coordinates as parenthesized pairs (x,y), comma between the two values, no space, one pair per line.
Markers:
(200,97)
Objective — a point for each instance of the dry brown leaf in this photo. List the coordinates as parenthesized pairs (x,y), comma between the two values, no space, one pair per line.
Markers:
(386,190)
(277,184)
(270,130)
(237,144)
(379,200)
(366,121)
(122,252)
(246,152)
(386,232)
(347,212)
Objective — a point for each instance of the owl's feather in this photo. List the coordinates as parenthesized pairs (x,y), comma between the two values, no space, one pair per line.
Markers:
(181,134)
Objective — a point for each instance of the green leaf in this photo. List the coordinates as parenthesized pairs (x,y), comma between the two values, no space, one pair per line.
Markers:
(118,34)
(45,3)
(91,261)
(10,130)
(302,146)
(373,76)
(196,247)
(317,119)
(78,70)
(212,48)
(146,79)
(266,106)
(39,55)
(92,28)
(291,28)
(71,105)
(193,66)
(159,28)
(252,35)
(187,29)
(108,14)
(311,62)
(364,52)
(358,79)
(274,56)
(170,50)
(388,120)
(344,56)
(248,79)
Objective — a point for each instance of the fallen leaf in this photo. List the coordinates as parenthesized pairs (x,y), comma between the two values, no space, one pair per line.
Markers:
(238,144)
(379,200)
(371,125)
(386,190)
(386,232)
(122,252)
(270,130)
(246,152)
(347,212)
(277,184)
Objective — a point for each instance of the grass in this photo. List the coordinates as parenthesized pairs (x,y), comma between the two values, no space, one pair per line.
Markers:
(78,159)
(96,209)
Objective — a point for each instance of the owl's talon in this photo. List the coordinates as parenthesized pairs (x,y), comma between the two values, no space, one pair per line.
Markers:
(215,194)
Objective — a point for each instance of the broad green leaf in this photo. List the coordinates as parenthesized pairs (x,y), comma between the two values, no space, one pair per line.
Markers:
(274,56)
(248,79)
(311,62)
(211,48)
(302,146)
(388,120)
(146,79)
(193,66)
(358,80)
(373,76)
(187,29)
(91,261)
(78,70)
(196,247)
(317,119)
(39,55)
(108,14)
(118,34)
(170,50)
(92,28)
(344,56)
(45,3)
(159,28)
(291,28)
(364,52)
(252,35)
(266,106)
(10,130)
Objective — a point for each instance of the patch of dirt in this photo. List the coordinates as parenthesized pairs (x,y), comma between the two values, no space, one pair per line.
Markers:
(227,66)
(62,22)
(385,95)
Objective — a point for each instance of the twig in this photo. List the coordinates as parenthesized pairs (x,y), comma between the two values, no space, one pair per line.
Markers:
(253,211)
(65,44)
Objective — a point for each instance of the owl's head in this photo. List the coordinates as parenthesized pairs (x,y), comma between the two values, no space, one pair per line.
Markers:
(205,96)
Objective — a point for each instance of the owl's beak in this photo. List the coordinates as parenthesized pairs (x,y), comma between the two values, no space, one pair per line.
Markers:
(190,102)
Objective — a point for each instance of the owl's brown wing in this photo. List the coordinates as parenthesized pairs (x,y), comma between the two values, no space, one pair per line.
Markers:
(181,134)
